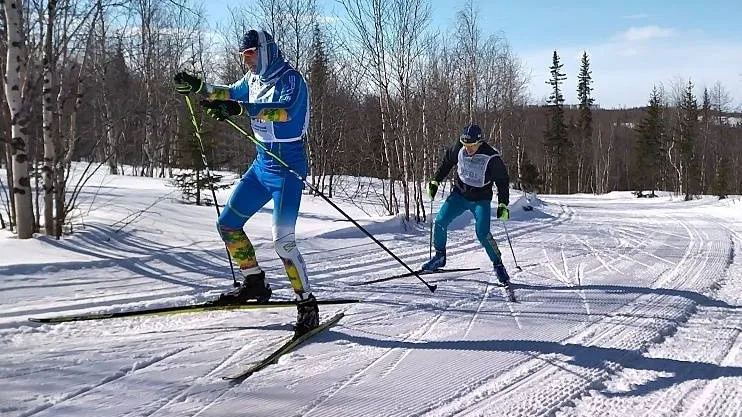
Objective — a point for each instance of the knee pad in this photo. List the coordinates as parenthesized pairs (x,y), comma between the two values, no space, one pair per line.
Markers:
(293,262)
(285,246)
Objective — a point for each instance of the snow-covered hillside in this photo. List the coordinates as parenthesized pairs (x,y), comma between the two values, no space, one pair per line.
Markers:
(626,307)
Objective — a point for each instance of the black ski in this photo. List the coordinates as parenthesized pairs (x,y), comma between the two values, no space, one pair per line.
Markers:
(193,308)
(285,348)
(409,274)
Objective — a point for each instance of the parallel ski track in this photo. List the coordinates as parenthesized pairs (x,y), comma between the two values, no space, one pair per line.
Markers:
(619,332)
(115,377)
(268,344)
(717,331)
(334,390)
(419,334)
(324,268)
(369,265)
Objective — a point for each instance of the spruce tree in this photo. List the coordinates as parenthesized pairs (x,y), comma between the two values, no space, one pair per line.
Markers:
(585,179)
(556,141)
(722,180)
(687,142)
(529,175)
(195,178)
(651,130)
(318,138)
(705,172)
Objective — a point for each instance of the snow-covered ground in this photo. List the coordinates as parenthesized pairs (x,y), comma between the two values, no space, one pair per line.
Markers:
(626,307)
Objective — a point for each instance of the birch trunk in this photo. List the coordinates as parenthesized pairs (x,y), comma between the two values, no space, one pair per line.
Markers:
(50,152)
(15,68)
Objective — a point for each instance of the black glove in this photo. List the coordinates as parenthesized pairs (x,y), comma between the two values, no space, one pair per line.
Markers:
(432,189)
(186,83)
(222,109)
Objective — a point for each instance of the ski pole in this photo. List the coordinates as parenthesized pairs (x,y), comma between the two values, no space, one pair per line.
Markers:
(316,191)
(511,247)
(430,246)
(197,131)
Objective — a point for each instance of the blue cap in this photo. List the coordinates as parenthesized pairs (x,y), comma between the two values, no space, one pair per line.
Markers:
(471,134)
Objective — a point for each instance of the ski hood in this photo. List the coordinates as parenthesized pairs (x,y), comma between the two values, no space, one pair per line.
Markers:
(271,63)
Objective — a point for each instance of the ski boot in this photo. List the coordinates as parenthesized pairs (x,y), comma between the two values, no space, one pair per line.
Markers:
(502,275)
(437,261)
(307,317)
(253,287)
(503,281)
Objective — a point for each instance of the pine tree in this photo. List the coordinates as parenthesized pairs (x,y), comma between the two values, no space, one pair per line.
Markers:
(706,175)
(722,180)
(529,175)
(585,179)
(196,178)
(651,131)
(556,141)
(318,138)
(687,142)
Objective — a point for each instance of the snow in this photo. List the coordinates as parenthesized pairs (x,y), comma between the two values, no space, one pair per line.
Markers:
(626,306)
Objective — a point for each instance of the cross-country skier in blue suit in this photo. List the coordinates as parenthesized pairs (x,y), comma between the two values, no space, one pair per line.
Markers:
(275,98)
(478,168)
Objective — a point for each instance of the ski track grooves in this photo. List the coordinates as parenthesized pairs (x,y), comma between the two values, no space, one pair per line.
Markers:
(614,330)
(369,264)
(332,391)
(182,395)
(120,374)
(689,270)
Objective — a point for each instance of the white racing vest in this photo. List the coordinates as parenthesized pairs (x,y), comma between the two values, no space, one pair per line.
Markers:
(472,170)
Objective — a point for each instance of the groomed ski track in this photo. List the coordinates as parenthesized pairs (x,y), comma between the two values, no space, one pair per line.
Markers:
(625,307)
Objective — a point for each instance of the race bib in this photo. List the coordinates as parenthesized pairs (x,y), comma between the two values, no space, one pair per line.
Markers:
(260,92)
(472,170)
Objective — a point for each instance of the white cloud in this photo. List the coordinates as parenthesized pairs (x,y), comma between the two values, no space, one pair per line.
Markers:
(637,16)
(634,34)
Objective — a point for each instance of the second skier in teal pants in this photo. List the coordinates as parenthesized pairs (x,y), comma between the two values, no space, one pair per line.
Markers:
(479,167)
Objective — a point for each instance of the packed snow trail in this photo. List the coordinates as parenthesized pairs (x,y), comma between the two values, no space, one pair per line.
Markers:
(625,306)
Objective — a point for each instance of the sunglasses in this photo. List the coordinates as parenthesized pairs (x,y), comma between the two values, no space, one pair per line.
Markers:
(464,141)
(248,51)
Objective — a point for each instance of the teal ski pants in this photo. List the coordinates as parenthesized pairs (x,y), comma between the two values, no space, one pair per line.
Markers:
(454,206)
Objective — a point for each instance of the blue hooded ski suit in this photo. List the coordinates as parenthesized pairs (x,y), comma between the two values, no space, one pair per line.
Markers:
(276,99)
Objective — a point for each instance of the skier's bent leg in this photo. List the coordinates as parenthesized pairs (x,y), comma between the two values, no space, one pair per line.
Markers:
(482,211)
(451,209)
(246,199)
(240,248)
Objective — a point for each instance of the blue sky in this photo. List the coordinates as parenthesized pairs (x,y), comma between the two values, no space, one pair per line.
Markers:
(632,45)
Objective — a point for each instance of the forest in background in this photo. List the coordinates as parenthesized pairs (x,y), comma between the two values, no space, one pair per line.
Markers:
(91,81)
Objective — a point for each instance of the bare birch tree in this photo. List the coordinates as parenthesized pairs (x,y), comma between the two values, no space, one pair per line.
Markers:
(15,88)
(369,25)
(468,36)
